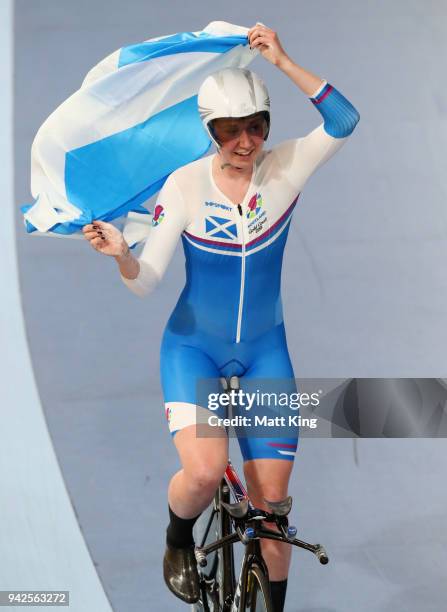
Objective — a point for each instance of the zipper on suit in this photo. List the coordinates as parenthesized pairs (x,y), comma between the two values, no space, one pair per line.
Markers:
(242,287)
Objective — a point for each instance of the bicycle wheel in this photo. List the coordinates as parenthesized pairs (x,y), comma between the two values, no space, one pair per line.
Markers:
(217,577)
(258,596)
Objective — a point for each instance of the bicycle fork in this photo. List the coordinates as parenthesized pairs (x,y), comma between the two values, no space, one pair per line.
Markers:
(252,555)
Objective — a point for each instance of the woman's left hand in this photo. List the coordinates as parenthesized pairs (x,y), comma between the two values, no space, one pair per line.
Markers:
(267,42)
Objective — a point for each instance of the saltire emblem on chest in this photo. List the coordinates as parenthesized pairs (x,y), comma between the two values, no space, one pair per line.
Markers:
(219,227)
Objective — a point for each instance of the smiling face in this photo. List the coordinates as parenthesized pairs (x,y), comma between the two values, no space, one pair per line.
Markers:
(241,140)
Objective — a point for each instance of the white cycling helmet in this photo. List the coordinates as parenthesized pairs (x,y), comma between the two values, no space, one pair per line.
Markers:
(232,92)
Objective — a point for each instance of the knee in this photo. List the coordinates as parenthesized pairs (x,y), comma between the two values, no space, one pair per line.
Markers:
(267,480)
(272,492)
(206,478)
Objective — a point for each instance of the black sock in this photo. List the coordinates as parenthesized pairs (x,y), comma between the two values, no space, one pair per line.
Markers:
(179,531)
(278,593)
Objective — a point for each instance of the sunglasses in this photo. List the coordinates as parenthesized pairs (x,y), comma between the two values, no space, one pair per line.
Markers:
(227,129)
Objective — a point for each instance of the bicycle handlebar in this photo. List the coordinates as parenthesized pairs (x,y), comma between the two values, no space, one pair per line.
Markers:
(318,550)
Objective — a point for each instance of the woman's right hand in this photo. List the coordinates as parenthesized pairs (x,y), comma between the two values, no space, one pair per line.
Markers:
(105,238)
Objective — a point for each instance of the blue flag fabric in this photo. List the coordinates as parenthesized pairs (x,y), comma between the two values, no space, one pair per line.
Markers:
(110,146)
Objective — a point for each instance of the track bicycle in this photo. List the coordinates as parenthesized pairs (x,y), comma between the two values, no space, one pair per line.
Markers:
(223,524)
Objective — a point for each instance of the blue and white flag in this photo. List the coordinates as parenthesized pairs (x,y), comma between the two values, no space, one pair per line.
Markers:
(110,146)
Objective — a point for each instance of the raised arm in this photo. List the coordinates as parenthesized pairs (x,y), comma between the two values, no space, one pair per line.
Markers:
(301,157)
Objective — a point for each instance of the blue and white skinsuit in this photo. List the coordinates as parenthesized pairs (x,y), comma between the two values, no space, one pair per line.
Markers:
(228,320)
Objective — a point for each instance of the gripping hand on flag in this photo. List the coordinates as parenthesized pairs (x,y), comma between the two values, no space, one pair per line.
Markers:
(267,42)
(105,238)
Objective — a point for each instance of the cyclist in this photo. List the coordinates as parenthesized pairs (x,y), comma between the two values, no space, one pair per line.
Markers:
(232,211)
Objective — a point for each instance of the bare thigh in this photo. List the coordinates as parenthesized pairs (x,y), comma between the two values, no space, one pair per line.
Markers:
(202,449)
(204,460)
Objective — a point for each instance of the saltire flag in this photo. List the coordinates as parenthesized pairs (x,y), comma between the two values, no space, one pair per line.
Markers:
(112,144)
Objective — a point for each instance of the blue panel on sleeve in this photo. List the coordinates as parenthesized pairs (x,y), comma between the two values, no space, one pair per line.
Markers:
(340,117)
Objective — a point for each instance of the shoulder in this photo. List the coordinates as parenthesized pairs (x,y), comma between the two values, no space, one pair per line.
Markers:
(281,155)
(187,181)
(181,187)
(188,172)
(183,179)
